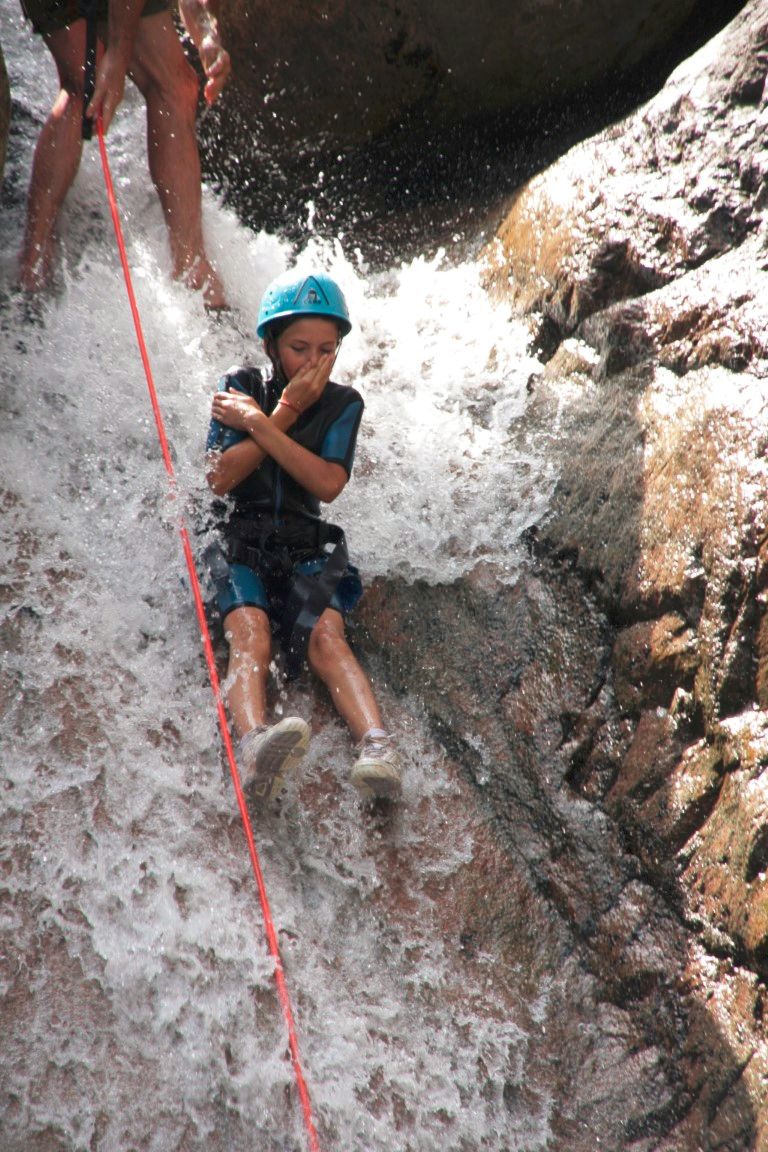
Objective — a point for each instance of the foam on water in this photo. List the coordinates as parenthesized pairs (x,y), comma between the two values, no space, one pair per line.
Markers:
(139,999)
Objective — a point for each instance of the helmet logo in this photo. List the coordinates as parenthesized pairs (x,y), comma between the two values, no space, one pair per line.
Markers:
(310,294)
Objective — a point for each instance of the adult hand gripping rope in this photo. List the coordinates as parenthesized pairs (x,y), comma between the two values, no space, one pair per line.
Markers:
(269,928)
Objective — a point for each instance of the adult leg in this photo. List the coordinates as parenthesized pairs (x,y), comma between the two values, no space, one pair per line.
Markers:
(56,159)
(250,648)
(333,661)
(169,85)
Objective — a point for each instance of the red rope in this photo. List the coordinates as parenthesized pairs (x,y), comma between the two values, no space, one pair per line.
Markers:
(269,928)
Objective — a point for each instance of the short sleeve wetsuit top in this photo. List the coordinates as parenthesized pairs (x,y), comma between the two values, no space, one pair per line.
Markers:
(270,498)
(328,428)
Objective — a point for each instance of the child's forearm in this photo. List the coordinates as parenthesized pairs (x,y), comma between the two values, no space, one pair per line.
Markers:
(225,470)
(323,479)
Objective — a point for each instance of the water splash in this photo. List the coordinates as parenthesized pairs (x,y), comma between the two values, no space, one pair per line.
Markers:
(137,1002)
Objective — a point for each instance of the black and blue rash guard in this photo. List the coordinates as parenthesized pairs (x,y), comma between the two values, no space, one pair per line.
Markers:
(328,428)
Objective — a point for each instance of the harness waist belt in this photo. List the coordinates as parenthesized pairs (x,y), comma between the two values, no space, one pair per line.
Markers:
(272,552)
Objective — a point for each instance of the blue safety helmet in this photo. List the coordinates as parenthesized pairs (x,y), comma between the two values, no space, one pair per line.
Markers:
(316,295)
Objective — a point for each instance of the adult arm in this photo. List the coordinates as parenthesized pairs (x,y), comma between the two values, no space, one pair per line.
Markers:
(124,16)
(201,21)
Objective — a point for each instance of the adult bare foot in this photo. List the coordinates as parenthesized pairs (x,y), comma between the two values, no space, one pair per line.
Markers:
(36,269)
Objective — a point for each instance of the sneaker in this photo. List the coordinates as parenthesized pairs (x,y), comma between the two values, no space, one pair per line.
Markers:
(376,773)
(270,755)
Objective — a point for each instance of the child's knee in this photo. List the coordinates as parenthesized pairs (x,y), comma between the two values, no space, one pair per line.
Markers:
(326,644)
(249,639)
(247,667)
(254,655)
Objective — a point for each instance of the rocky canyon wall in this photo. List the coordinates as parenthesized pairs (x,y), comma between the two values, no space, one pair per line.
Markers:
(625,751)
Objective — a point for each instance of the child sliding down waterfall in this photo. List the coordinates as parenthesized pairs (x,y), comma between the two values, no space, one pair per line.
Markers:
(277,447)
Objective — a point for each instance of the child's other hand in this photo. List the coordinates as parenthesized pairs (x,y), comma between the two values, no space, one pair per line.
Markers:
(234,409)
(308,384)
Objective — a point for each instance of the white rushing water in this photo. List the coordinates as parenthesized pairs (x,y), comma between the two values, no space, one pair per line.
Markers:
(138,1005)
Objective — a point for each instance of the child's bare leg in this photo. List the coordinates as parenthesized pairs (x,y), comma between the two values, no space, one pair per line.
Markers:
(250,649)
(268,754)
(332,660)
(376,772)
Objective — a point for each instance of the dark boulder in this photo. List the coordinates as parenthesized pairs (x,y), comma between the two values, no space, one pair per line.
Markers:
(338,73)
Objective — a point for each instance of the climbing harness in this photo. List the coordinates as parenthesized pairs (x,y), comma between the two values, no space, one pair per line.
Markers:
(269,928)
(308,598)
(88,9)
(300,598)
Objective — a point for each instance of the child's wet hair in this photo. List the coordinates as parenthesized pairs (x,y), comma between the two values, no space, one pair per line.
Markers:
(277,327)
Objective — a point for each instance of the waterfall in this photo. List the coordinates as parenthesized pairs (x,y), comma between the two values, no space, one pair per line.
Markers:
(138,1006)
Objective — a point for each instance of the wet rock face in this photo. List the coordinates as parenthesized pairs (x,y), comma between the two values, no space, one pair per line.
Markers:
(516,685)
(656,198)
(5,111)
(640,260)
(513,682)
(341,72)
(533,654)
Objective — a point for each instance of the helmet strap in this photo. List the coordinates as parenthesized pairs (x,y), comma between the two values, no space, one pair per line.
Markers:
(270,347)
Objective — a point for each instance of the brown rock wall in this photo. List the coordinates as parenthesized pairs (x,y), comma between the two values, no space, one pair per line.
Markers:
(640,262)
(651,198)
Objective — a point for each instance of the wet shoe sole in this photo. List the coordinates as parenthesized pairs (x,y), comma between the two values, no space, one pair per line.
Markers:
(376,784)
(280,760)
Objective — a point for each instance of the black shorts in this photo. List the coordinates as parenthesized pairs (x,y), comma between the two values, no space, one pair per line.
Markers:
(52,15)
(242,587)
